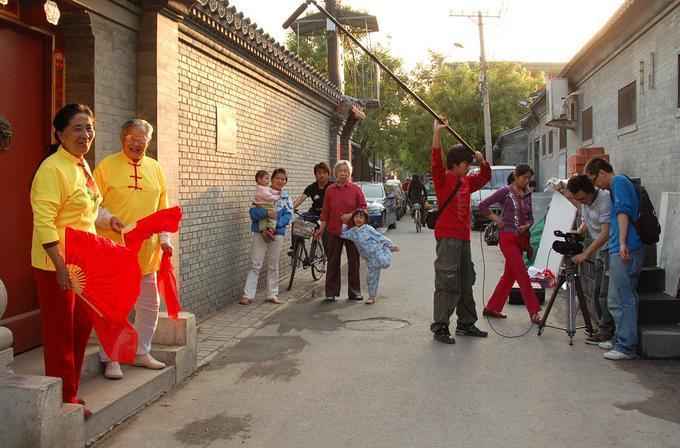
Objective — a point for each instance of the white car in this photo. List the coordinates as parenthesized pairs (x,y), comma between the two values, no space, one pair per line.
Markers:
(499,178)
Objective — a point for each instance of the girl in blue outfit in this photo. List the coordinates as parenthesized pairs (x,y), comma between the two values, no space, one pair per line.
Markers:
(375,248)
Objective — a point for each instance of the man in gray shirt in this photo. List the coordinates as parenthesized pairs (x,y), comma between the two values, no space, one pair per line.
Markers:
(596,205)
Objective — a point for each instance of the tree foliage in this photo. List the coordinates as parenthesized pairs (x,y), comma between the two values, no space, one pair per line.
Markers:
(401,130)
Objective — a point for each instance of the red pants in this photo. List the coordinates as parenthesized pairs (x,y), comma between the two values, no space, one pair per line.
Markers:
(514,271)
(66,327)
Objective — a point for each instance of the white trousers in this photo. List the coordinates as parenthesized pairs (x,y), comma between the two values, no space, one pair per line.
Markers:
(146,315)
(261,249)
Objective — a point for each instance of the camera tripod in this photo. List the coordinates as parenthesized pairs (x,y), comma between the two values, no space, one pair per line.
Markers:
(569,274)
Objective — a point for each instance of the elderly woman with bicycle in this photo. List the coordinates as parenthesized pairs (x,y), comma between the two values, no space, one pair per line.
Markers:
(283,211)
(342,199)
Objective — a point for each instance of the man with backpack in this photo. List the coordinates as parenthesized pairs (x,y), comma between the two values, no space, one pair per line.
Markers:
(626,256)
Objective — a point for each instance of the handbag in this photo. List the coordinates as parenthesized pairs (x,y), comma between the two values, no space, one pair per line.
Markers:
(491,234)
(433,215)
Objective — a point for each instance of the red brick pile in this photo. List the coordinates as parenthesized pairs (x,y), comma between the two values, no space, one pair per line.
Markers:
(575,164)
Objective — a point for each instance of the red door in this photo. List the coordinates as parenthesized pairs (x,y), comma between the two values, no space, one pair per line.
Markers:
(25,100)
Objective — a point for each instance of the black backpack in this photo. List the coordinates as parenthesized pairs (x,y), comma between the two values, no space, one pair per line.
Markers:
(647,224)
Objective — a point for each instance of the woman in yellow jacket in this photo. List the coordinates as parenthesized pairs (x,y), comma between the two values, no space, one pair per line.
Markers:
(63,193)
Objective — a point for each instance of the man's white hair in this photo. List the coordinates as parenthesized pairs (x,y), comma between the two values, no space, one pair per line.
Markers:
(136,123)
(340,163)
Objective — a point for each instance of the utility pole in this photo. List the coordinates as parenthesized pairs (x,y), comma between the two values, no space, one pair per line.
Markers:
(488,144)
(336,72)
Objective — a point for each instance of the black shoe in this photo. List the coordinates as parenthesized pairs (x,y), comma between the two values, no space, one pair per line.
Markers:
(444,336)
(330,299)
(359,297)
(472,330)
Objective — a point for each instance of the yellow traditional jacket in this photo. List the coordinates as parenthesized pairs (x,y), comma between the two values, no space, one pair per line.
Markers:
(63,194)
(132,190)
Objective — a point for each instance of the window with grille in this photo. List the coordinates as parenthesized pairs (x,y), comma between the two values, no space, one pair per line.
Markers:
(587,124)
(563,138)
(627,105)
(550,142)
(543,148)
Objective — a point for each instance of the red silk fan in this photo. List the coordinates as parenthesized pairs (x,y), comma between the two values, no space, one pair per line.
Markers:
(166,220)
(106,276)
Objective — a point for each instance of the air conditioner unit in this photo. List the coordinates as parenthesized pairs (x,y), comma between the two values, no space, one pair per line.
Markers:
(558,101)
(556,92)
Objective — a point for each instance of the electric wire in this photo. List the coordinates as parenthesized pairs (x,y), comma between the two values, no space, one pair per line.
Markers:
(488,319)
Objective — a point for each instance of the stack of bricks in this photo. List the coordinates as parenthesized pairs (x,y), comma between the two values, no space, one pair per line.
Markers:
(576,163)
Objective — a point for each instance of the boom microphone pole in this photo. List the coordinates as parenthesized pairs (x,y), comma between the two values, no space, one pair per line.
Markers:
(399,82)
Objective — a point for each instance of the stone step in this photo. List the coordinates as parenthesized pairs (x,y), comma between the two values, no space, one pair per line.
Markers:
(659,341)
(113,401)
(658,308)
(31,363)
(652,280)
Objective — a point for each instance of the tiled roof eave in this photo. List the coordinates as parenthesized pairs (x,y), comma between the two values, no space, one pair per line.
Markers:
(226,22)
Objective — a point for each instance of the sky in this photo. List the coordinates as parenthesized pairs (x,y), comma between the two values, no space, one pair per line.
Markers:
(528,30)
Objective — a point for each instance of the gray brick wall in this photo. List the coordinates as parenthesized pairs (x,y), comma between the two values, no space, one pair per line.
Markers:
(651,151)
(278,126)
(115,74)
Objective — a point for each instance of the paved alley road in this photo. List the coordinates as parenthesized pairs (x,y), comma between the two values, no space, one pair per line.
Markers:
(350,375)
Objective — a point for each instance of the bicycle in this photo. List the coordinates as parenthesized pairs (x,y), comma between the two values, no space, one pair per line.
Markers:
(304,228)
(417,216)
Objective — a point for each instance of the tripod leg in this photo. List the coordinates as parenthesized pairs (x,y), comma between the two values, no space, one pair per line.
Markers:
(583,305)
(560,281)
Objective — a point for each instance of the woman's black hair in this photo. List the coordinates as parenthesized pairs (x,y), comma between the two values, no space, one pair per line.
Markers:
(511,178)
(522,169)
(61,121)
(279,171)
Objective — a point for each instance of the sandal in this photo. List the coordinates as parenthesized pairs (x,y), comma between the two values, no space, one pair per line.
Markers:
(274,300)
(370,301)
(535,318)
(245,301)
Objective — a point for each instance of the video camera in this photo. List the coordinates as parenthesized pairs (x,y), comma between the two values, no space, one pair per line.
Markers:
(570,246)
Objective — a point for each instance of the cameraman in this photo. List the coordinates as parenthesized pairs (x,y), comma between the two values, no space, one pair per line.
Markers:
(596,213)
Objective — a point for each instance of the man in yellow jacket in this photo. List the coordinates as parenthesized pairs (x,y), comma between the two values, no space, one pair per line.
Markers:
(133,186)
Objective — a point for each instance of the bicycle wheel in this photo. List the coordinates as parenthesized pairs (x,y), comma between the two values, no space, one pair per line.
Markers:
(318,263)
(417,221)
(295,259)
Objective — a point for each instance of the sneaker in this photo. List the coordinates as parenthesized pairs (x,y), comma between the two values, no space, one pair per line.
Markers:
(606,345)
(472,330)
(148,361)
(616,355)
(112,371)
(596,339)
(330,299)
(444,336)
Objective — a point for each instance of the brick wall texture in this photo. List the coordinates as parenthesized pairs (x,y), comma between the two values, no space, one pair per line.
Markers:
(651,150)
(278,126)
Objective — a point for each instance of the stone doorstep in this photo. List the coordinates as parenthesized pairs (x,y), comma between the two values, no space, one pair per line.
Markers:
(659,341)
(112,401)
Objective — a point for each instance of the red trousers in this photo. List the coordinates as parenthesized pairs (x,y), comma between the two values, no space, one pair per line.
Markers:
(66,326)
(514,271)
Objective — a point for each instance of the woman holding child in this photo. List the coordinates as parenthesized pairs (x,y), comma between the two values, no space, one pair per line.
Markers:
(263,246)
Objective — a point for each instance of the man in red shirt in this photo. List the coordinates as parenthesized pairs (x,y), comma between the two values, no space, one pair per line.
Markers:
(454,271)
(341,200)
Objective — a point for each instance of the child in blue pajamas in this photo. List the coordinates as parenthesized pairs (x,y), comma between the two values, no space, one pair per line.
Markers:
(375,248)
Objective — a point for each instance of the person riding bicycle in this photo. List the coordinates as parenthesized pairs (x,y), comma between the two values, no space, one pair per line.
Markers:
(417,194)
(316,191)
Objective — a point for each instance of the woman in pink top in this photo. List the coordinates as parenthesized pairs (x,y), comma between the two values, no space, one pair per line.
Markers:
(513,227)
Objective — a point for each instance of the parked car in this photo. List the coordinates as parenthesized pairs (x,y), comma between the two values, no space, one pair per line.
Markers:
(381,205)
(499,178)
(394,187)
(431,196)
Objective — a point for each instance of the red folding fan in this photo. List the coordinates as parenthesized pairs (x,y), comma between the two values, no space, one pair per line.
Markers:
(106,276)
(166,220)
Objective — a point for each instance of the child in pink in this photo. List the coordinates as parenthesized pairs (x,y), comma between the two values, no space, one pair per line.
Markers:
(265,198)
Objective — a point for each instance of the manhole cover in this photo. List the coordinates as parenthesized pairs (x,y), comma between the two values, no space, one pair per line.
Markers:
(376,324)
